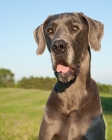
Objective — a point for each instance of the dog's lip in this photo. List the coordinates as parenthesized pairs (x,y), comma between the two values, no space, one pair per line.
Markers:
(71,71)
(63,67)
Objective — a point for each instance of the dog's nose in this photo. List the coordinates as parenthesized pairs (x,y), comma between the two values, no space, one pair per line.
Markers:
(59,46)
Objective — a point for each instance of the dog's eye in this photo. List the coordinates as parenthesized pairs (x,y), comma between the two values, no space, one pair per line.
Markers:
(50,30)
(75,28)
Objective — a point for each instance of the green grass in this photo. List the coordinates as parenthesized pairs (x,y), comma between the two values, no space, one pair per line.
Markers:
(106,100)
(21,113)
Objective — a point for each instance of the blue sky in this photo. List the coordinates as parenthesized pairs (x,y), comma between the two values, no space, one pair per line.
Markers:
(19,18)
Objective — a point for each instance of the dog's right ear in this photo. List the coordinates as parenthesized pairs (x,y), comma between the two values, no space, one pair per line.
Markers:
(39,36)
(40,40)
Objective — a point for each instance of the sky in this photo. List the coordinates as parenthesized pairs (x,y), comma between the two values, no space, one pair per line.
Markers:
(18,20)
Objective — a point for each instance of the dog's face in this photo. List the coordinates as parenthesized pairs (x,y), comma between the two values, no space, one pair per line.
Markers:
(67,37)
(66,41)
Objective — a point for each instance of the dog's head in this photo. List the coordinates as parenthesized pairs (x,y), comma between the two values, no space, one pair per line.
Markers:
(67,37)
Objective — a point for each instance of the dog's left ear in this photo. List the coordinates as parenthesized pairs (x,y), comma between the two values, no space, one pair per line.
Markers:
(39,38)
(95,34)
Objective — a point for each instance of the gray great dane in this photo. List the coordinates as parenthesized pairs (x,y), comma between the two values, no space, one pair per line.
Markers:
(73,110)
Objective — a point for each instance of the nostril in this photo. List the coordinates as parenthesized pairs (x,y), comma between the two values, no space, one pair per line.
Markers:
(55,47)
(62,47)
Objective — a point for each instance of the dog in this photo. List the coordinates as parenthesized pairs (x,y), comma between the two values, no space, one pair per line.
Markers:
(73,110)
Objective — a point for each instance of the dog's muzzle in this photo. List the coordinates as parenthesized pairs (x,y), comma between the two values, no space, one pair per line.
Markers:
(63,71)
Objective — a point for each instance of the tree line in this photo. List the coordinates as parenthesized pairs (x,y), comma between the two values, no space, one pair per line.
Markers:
(7,80)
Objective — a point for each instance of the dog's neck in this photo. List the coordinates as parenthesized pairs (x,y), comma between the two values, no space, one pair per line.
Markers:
(83,79)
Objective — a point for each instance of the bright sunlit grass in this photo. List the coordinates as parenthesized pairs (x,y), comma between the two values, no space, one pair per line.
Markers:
(21,113)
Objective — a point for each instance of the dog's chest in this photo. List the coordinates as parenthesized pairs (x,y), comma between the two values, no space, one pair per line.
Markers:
(81,129)
(77,124)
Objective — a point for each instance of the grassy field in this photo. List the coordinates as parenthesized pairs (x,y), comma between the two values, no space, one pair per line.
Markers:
(21,113)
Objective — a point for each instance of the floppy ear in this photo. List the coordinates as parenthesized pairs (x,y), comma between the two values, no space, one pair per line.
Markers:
(39,38)
(95,34)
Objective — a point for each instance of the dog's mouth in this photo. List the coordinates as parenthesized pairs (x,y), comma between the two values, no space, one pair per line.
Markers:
(62,67)
(65,72)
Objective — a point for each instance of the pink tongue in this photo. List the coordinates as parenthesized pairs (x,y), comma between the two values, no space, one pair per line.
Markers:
(62,68)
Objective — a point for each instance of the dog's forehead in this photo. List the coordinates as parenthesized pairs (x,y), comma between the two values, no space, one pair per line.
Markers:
(64,17)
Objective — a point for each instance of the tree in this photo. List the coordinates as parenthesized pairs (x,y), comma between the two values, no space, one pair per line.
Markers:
(37,83)
(6,78)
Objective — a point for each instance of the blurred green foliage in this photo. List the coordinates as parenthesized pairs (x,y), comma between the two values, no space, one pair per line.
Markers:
(7,80)
(37,83)
(104,87)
